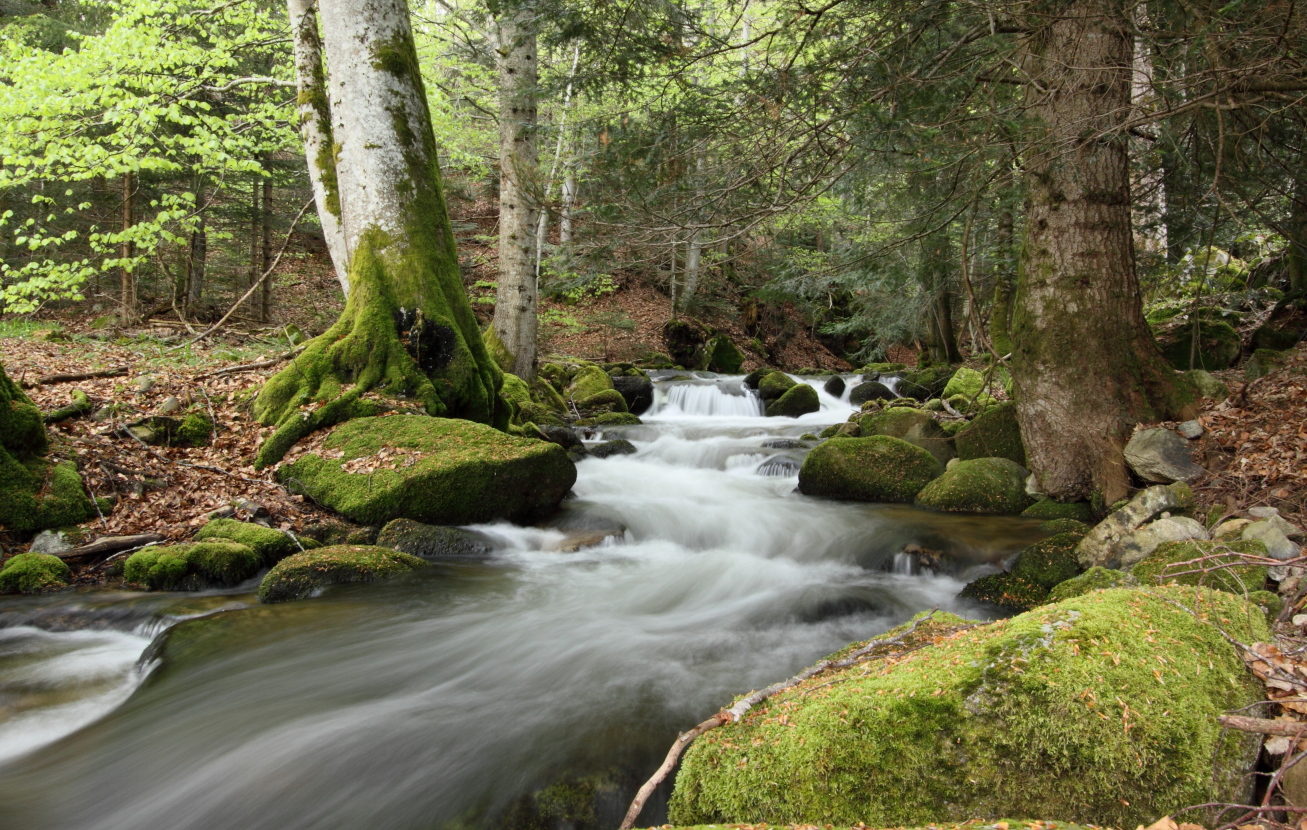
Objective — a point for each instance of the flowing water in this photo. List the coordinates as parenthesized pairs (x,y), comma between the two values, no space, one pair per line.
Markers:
(448,698)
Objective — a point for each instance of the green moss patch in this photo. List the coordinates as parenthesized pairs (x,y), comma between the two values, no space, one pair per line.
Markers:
(1094,579)
(1097,709)
(995,434)
(304,574)
(911,425)
(1050,509)
(1051,561)
(799,399)
(433,470)
(1008,591)
(1218,346)
(192,567)
(774,384)
(876,469)
(1221,567)
(33,573)
(982,485)
(271,545)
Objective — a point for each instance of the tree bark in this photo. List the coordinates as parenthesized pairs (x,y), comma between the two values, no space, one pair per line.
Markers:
(517,295)
(565,210)
(265,245)
(315,129)
(126,279)
(1297,236)
(1085,367)
(195,261)
(407,329)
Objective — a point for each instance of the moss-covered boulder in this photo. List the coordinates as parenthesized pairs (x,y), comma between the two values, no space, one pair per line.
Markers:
(799,399)
(981,485)
(271,545)
(774,384)
(1100,709)
(871,390)
(591,390)
(1207,385)
(1219,565)
(1048,509)
(1262,363)
(876,469)
(1094,579)
(1218,346)
(192,567)
(433,470)
(434,541)
(926,383)
(1051,561)
(966,382)
(721,355)
(33,573)
(1008,591)
(994,434)
(195,430)
(305,574)
(911,425)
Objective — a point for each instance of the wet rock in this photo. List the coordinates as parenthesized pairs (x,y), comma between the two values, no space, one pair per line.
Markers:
(1049,562)
(775,384)
(784,444)
(875,469)
(913,426)
(1100,546)
(982,485)
(434,541)
(305,574)
(720,354)
(636,391)
(752,379)
(870,391)
(1192,430)
(1008,591)
(799,399)
(834,386)
(1159,455)
(1137,546)
(564,437)
(607,449)
(577,540)
(271,545)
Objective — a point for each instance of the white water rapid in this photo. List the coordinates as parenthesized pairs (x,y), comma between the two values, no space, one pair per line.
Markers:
(454,696)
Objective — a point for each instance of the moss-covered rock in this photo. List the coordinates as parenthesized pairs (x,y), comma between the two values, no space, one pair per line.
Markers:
(1094,579)
(720,354)
(192,567)
(1064,526)
(1207,385)
(434,541)
(1008,591)
(774,384)
(195,430)
(994,434)
(1050,509)
(913,426)
(271,545)
(799,399)
(981,485)
(434,470)
(610,419)
(1219,565)
(304,574)
(1051,561)
(591,389)
(871,390)
(966,382)
(1262,363)
(1218,346)
(1269,601)
(882,368)
(926,383)
(33,573)
(1027,716)
(518,395)
(876,469)
(609,400)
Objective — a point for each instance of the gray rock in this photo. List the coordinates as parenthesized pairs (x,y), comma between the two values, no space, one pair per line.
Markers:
(1135,547)
(835,386)
(1277,544)
(1159,455)
(784,444)
(1099,548)
(564,437)
(1191,430)
(1207,384)
(50,541)
(170,405)
(619,446)
(434,541)
(637,391)
(144,384)
(1273,516)
(870,391)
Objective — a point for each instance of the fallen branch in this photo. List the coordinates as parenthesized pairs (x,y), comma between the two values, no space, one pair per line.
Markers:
(1263,726)
(742,706)
(111,544)
(250,367)
(81,405)
(48,380)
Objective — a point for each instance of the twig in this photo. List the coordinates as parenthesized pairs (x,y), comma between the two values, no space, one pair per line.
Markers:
(742,706)
(1263,726)
(250,367)
(48,380)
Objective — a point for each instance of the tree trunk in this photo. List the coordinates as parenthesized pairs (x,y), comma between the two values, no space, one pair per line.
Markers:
(1085,366)
(265,245)
(127,281)
(315,129)
(256,234)
(199,252)
(1000,316)
(407,329)
(565,210)
(1297,236)
(515,303)
(934,277)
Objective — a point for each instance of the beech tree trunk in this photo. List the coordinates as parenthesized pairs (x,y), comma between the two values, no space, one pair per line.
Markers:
(1085,366)
(407,330)
(517,295)
(315,129)
(195,260)
(127,281)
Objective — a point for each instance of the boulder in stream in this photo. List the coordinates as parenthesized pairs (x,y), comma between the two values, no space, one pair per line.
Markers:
(33,573)
(434,541)
(433,470)
(871,390)
(876,469)
(799,399)
(304,574)
(1007,591)
(999,720)
(271,545)
(1049,562)
(911,425)
(834,386)
(636,390)
(994,434)
(617,446)
(194,566)
(774,384)
(981,485)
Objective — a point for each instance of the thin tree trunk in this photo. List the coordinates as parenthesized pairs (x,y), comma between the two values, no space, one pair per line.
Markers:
(315,129)
(542,222)
(1297,236)
(256,235)
(265,251)
(565,209)
(694,248)
(127,250)
(1000,316)
(195,261)
(517,295)
(1085,366)
(407,328)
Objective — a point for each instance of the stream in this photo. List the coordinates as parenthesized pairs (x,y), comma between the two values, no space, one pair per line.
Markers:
(447,698)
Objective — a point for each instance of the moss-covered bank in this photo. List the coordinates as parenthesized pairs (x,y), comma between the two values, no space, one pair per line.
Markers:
(1098,709)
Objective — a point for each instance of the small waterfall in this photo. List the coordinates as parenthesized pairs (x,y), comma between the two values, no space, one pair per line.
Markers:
(904,564)
(779,466)
(706,400)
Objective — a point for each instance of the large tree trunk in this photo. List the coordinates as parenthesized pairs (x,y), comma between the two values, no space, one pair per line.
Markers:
(407,330)
(315,128)
(517,295)
(1085,368)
